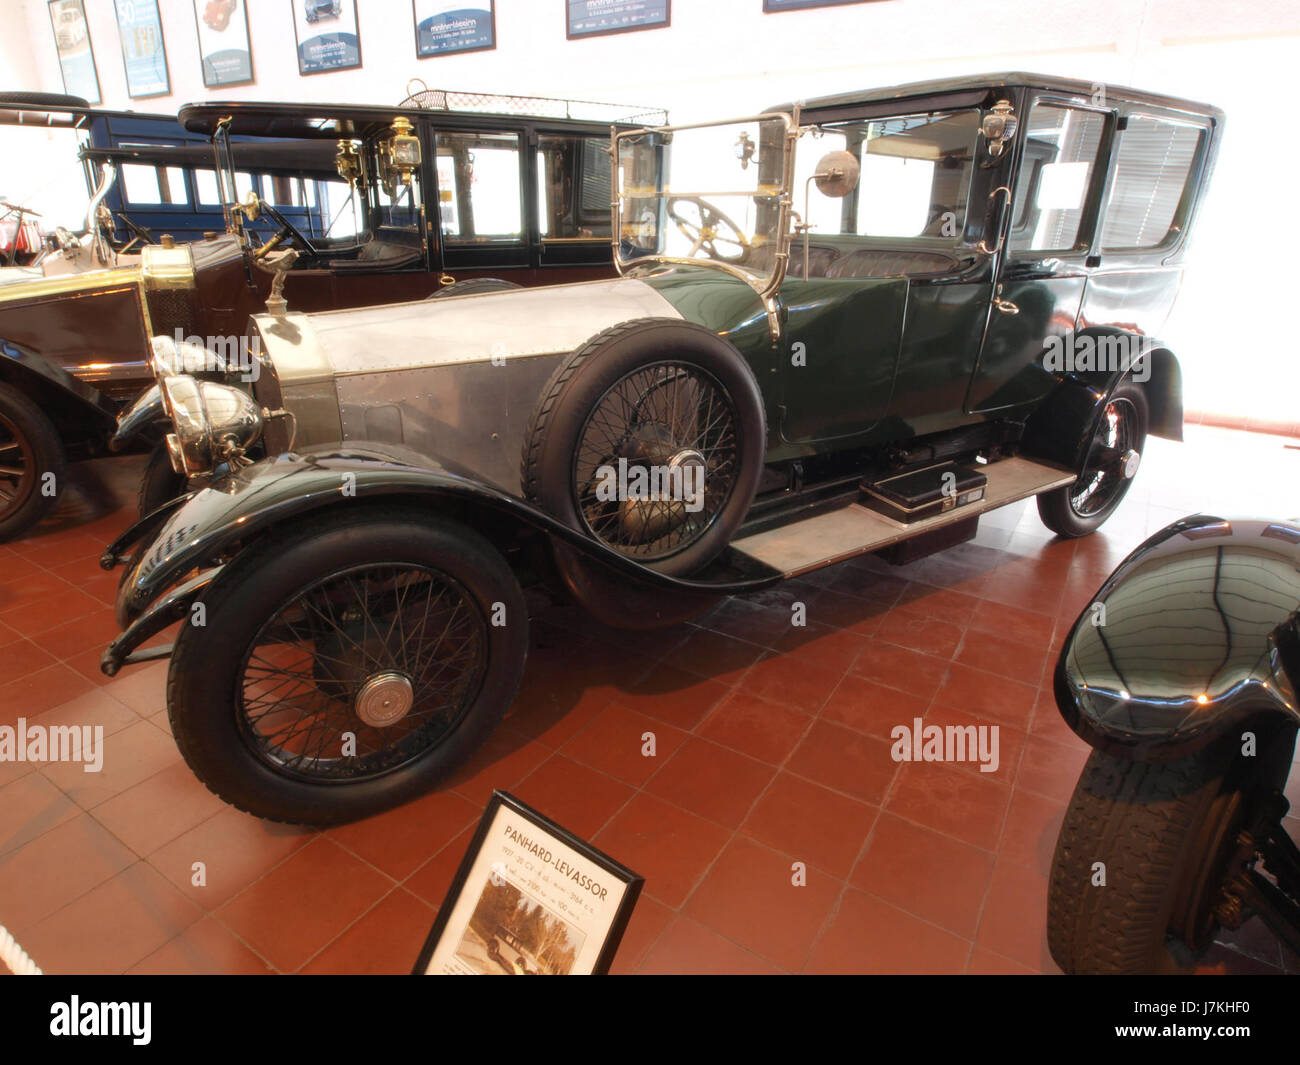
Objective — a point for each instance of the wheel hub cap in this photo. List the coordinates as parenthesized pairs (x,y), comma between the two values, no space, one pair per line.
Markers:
(385,698)
(1128,464)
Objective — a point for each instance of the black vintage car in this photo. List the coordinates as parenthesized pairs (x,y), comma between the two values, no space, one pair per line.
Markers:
(847,327)
(376,203)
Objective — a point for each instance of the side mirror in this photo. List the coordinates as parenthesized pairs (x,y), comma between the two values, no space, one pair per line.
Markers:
(837,174)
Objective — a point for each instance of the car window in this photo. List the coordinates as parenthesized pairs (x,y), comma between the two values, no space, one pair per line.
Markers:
(479,182)
(1061,145)
(154,184)
(1154,161)
(340,209)
(914,180)
(205,187)
(573,187)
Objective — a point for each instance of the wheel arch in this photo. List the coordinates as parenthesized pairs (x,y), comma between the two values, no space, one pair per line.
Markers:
(78,411)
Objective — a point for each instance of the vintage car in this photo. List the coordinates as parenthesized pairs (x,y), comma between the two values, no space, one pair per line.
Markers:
(847,327)
(522,198)
(1183,676)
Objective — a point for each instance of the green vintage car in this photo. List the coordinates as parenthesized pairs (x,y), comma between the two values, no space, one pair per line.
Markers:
(849,326)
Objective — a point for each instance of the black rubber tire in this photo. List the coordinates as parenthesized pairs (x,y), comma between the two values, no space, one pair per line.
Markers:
(41,446)
(1054,507)
(589,372)
(159,483)
(1148,823)
(52,100)
(473,286)
(203,680)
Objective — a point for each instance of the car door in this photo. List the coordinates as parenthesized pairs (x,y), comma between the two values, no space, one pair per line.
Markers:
(1044,263)
(482,218)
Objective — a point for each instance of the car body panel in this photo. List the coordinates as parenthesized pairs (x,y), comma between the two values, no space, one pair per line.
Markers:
(1192,637)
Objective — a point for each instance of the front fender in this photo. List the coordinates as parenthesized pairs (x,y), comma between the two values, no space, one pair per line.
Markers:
(21,365)
(1192,636)
(289,486)
(146,411)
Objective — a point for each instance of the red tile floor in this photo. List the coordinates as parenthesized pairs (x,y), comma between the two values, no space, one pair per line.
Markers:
(771,748)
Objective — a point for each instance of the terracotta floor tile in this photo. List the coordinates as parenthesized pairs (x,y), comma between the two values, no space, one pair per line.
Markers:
(675,696)
(94,632)
(845,760)
(649,919)
(931,876)
(1014,922)
(1003,656)
(967,806)
(234,849)
(898,667)
(581,799)
(205,948)
(57,867)
(714,655)
(668,846)
(304,903)
(113,926)
(867,935)
(504,760)
(909,628)
(749,897)
(984,962)
(689,948)
(399,841)
(143,688)
(761,729)
(1027,628)
(386,940)
(866,706)
(786,679)
(39,691)
(29,807)
(158,809)
(1007,748)
(615,743)
(712,781)
(850,613)
(433,879)
(943,603)
(134,754)
(826,648)
(988,696)
(811,824)
(1050,768)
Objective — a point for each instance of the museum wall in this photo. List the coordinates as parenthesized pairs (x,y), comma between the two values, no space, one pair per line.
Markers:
(723,57)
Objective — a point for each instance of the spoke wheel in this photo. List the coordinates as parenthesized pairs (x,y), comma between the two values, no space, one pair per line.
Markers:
(17,466)
(387,659)
(671,427)
(29,449)
(1104,478)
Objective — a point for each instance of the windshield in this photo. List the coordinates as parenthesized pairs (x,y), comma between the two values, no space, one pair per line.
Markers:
(708,194)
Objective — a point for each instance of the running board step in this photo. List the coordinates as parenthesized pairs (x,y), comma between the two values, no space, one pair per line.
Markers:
(831,537)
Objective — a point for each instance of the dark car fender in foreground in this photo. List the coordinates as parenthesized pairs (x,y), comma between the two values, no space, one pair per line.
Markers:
(190,534)
(1193,637)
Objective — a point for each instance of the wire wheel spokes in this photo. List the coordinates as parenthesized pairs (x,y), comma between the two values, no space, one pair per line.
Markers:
(362,672)
(1103,479)
(17,468)
(665,437)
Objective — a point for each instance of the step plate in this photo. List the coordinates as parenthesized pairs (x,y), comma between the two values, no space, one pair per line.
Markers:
(854,530)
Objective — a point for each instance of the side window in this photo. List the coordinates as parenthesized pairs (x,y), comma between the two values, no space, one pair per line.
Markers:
(1152,166)
(205,186)
(478,187)
(1055,174)
(154,184)
(573,190)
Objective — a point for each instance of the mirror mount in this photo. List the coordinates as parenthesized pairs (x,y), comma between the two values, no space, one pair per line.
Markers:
(836,176)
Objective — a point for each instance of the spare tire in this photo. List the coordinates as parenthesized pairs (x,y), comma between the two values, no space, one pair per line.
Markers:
(651,439)
(473,286)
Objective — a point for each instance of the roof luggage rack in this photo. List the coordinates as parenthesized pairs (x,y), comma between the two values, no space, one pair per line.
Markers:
(535,106)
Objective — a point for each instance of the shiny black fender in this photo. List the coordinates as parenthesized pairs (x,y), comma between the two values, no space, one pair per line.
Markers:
(1061,426)
(197,532)
(142,418)
(1193,639)
(80,411)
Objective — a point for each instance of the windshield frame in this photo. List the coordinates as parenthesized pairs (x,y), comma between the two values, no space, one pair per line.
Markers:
(766,286)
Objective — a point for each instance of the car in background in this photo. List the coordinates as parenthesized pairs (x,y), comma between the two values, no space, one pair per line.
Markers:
(375,204)
(852,325)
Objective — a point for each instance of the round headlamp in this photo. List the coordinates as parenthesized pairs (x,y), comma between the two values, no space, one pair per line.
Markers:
(212,423)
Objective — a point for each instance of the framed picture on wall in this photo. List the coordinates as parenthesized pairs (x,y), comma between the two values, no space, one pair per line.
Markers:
(799,5)
(592,18)
(144,56)
(76,57)
(224,50)
(529,899)
(447,27)
(326,34)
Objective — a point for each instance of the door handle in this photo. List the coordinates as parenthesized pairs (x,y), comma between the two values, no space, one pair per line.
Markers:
(1006,306)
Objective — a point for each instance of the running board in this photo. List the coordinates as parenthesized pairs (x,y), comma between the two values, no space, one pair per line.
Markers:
(831,537)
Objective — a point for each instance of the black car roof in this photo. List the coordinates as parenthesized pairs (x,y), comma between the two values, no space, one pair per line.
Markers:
(1005,79)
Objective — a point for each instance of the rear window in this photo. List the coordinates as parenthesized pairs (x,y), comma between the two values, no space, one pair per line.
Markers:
(1152,166)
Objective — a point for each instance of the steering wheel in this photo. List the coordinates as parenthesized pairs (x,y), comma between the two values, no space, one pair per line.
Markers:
(710,228)
(287,230)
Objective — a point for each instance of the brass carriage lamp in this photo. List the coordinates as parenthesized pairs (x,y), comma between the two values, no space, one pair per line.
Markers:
(998,127)
(401,153)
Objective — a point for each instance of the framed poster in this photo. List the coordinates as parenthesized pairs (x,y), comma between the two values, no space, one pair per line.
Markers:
(76,58)
(799,5)
(224,50)
(144,55)
(591,18)
(529,898)
(445,27)
(326,34)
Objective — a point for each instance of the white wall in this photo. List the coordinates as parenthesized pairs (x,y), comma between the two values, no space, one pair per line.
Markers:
(724,57)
